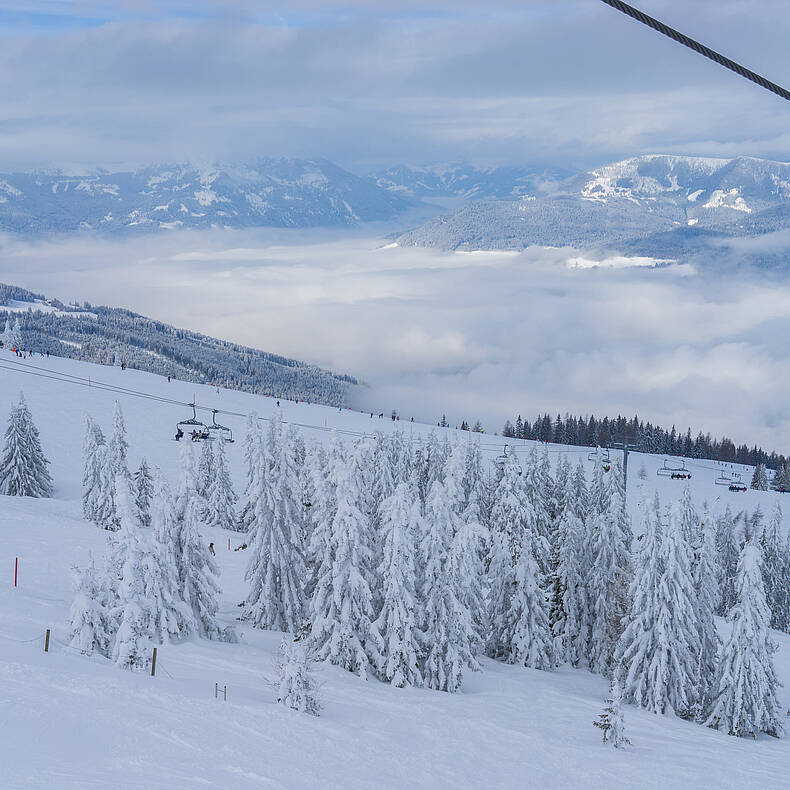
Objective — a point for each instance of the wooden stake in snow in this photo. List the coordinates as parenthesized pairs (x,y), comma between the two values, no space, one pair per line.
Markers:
(46,642)
(153,664)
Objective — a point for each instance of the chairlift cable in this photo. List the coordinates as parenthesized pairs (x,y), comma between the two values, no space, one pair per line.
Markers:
(701,49)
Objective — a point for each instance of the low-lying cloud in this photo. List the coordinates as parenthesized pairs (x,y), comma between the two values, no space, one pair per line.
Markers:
(473,336)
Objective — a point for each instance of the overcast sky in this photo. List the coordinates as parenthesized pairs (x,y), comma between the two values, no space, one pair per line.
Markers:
(570,82)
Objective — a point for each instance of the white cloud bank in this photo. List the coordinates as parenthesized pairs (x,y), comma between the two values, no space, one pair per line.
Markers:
(474,336)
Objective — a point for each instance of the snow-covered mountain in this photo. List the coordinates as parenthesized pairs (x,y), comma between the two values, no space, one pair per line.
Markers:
(112,336)
(468,182)
(655,202)
(272,192)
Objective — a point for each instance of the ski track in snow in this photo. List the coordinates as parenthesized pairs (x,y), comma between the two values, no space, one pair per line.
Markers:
(74,723)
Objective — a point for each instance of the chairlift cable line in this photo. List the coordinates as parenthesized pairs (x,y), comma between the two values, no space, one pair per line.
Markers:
(701,49)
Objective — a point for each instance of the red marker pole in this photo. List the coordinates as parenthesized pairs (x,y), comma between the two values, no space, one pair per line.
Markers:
(228,544)
(16,569)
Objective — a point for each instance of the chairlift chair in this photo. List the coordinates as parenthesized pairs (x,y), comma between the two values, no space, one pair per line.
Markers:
(601,454)
(193,424)
(675,470)
(217,431)
(736,484)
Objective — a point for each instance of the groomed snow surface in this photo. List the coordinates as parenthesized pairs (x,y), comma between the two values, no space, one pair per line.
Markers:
(69,722)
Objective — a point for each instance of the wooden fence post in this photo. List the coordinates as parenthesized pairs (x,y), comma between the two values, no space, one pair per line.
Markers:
(153,664)
(46,642)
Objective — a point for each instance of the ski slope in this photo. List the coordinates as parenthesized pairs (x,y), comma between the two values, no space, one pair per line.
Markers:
(69,722)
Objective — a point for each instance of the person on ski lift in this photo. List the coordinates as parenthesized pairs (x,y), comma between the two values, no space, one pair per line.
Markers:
(195,435)
(179,433)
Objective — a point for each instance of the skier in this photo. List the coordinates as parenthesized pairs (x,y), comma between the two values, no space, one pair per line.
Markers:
(211,549)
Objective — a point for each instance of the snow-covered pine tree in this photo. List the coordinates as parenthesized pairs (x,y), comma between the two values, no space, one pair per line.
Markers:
(760,478)
(656,657)
(117,446)
(538,487)
(511,516)
(105,513)
(571,626)
(295,683)
(774,564)
(610,573)
(143,492)
(132,644)
(705,576)
(342,608)
(88,622)
(252,441)
(746,701)
(23,467)
(612,721)
(197,569)
(526,622)
(276,571)
(205,468)
(220,508)
(727,551)
(91,467)
(449,626)
(175,619)
(400,615)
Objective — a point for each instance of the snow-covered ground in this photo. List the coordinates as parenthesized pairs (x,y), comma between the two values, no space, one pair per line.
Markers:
(69,722)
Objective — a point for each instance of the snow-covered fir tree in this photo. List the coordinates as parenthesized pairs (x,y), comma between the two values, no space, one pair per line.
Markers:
(400,614)
(143,492)
(746,701)
(220,507)
(205,468)
(276,570)
(774,565)
(132,645)
(610,570)
(197,569)
(760,478)
(612,721)
(571,627)
(88,628)
(105,512)
(117,445)
(448,624)
(23,466)
(91,467)
(705,576)
(252,440)
(295,683)
(727,552)
(511,516)
(656,658)
(342,606)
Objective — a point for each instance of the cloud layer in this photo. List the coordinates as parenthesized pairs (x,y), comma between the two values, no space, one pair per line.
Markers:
(568,81)
(475,336)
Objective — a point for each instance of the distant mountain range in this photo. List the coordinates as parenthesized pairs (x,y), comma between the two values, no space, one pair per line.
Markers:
(662,207)
(281,193)
(651,205)
(110,335)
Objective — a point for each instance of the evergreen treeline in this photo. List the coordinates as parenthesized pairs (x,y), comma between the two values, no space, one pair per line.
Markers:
(599,432)
(108,335)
